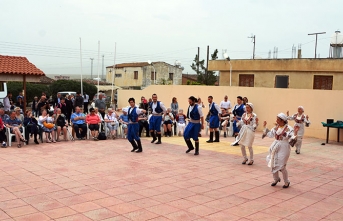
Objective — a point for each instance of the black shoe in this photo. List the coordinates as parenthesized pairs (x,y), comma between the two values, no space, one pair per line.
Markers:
(196,153)
(189,150)
(245,161)
(139,151)
(236,144)
(36,141)
(298,152)
(275,182)
(153,140)
(159,142)
(286,186)
(209,141)
(216,141)
(224,134)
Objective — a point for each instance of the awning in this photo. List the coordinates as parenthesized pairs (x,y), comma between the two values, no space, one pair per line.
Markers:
(107,87)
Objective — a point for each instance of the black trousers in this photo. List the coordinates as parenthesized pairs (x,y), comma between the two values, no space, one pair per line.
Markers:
(85,107)
(83,132)
(3,136)
(143,124)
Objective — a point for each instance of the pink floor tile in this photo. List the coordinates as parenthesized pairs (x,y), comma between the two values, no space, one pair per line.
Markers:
(20,211)
(100,214)
(33,217)
(60,212)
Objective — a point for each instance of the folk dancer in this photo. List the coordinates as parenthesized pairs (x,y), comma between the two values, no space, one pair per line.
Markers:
(133,126)
(301,120)
(157,110)
(215,115)
(193,127)
(248,123)
(280,149)
(238,112)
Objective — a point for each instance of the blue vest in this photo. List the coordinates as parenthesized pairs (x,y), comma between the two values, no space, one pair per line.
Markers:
(158,108)
(239,111)
(194,114)
(133,116)
(213,110)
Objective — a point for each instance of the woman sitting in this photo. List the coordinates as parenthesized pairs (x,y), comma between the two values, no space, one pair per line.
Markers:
(93,121)
(111,123)
(100,116)
(18,114)
(15,126)
(61,124)
(181,122)
(31,125)
(47,123)
(168,122)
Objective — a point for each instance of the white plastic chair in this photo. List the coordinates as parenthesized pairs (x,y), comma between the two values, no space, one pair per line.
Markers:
(89,132)
(10,135)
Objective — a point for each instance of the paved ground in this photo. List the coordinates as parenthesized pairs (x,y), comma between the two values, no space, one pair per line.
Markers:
(88,180)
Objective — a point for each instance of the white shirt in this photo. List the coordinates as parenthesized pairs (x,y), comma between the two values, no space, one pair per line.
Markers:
(199,110)
(225,104)
(112,117)
(86,98)
(7,104)
(138,111)
(154,105)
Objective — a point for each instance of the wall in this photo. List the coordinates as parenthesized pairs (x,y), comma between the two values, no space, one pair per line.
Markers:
(268,102)
(300,71)
(127,78)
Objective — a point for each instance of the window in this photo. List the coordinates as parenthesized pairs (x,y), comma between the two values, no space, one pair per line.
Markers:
(152,76)
(135,75)
(322,82)
(171,75)
(281,81)
(118,75)
(246,80)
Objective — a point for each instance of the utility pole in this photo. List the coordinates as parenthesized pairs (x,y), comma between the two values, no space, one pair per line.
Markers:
(253,37)
(92,68)
(102,70)
(315,47)
(208,52)
(198,60)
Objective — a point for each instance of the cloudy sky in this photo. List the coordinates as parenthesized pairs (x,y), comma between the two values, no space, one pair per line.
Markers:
(48,32)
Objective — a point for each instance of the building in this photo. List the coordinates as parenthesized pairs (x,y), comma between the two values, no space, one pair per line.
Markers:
(61,77)
(188,78)
(141,74)
(325,74)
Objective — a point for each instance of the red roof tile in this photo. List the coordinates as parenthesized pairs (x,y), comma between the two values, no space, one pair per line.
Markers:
(18,65)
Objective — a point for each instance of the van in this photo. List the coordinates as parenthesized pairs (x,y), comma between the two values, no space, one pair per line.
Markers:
(64,93)
(3,92)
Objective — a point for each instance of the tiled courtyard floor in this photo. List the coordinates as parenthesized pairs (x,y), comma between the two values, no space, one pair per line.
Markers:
(88,180)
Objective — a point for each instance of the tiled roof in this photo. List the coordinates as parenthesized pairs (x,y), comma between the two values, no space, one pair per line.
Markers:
(132,64)
(18,65)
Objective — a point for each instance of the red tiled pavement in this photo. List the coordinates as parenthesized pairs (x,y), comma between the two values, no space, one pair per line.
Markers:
(86,180)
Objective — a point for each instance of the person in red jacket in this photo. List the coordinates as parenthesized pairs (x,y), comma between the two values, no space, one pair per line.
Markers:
(93,121)
(181,122)
(3,136)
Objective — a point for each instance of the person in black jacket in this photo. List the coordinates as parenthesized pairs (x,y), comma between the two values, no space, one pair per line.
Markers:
(31,125)
(34,106)
(57,100)
(69,105)
(78,102)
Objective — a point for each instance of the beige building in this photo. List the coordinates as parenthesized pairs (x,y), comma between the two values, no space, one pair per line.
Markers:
(141,74)
(325,74)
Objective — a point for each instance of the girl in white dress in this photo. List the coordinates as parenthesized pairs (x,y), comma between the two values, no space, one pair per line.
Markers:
(246,136)
(301,120)
(280,149)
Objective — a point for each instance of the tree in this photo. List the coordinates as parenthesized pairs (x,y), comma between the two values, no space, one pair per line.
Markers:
(70,85)
(32,89)
(204,76)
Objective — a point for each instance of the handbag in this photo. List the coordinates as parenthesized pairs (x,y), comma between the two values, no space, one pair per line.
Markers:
(48,125)
(102,136)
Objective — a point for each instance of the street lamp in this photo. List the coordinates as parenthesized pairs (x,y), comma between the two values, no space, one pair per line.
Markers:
(149,62)
(226,56)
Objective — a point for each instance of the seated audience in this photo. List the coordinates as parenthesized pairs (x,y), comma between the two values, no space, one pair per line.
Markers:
(3,137)
(78,119)
(61,123)
(111,123)
(15,126)
(93,121)
(124,120)
(181,122)
(31,125)
(46,122)
(168,119)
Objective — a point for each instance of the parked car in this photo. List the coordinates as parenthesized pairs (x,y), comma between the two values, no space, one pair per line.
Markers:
(64,93)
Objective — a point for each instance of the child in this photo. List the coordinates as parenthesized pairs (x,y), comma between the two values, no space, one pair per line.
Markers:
(181,122)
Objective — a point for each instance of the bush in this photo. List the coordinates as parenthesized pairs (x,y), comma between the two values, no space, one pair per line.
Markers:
(32,90)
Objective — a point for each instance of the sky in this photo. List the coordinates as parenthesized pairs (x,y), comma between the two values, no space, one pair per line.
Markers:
(48,32)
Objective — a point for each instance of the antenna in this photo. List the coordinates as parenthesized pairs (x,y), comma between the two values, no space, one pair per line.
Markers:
(315,47)
(253,39)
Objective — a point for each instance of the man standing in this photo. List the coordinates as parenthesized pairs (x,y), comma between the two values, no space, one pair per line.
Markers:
(195,115)
(225,104)
(63,106)
(57,100)
(215,113)
(157,109)
(78,120)
(101,105)
(7,102)
(133,127)
(78,102)
(42,104)
(85,103)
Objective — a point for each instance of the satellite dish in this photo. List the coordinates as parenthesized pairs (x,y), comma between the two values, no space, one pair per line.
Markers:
(226,56)
(149,62)
(182,68)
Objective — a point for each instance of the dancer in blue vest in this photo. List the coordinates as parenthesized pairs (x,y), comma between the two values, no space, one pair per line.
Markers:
(133,126)
(193,127)
(155,122)
(215,113)
(238,112)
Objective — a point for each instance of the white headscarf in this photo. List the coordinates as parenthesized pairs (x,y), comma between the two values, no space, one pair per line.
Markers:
(282,116)
(250,105)
(301,107)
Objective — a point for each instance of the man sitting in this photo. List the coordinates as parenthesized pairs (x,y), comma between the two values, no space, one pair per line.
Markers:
(225,120)
(78,120)
(124,120)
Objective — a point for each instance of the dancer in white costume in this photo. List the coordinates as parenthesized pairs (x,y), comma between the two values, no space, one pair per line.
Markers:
(246,136)
(280,149)
(301,120)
